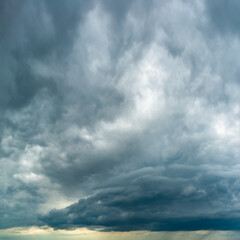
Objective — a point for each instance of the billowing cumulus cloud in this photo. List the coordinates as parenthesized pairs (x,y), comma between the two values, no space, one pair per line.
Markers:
(120,115)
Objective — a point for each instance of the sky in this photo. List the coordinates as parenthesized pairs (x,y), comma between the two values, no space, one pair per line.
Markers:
(120,117)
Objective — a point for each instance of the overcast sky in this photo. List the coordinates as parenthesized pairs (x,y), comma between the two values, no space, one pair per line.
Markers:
(120,115)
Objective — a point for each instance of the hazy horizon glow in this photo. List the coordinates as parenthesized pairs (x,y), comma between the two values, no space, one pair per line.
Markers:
(84,234)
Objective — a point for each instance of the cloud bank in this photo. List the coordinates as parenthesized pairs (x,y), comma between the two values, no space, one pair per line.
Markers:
(120,115)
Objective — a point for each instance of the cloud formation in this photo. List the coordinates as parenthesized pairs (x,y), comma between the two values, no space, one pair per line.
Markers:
(120,115)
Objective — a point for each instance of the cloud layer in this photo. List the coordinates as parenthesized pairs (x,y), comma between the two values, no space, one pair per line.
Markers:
(120,115)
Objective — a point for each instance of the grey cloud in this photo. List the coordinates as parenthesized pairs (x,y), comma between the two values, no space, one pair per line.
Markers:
(145,208)
(130,106)
(37,32)
(224,16)
(30,102)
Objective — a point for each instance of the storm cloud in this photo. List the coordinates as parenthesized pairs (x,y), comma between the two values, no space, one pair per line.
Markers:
(120,115)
